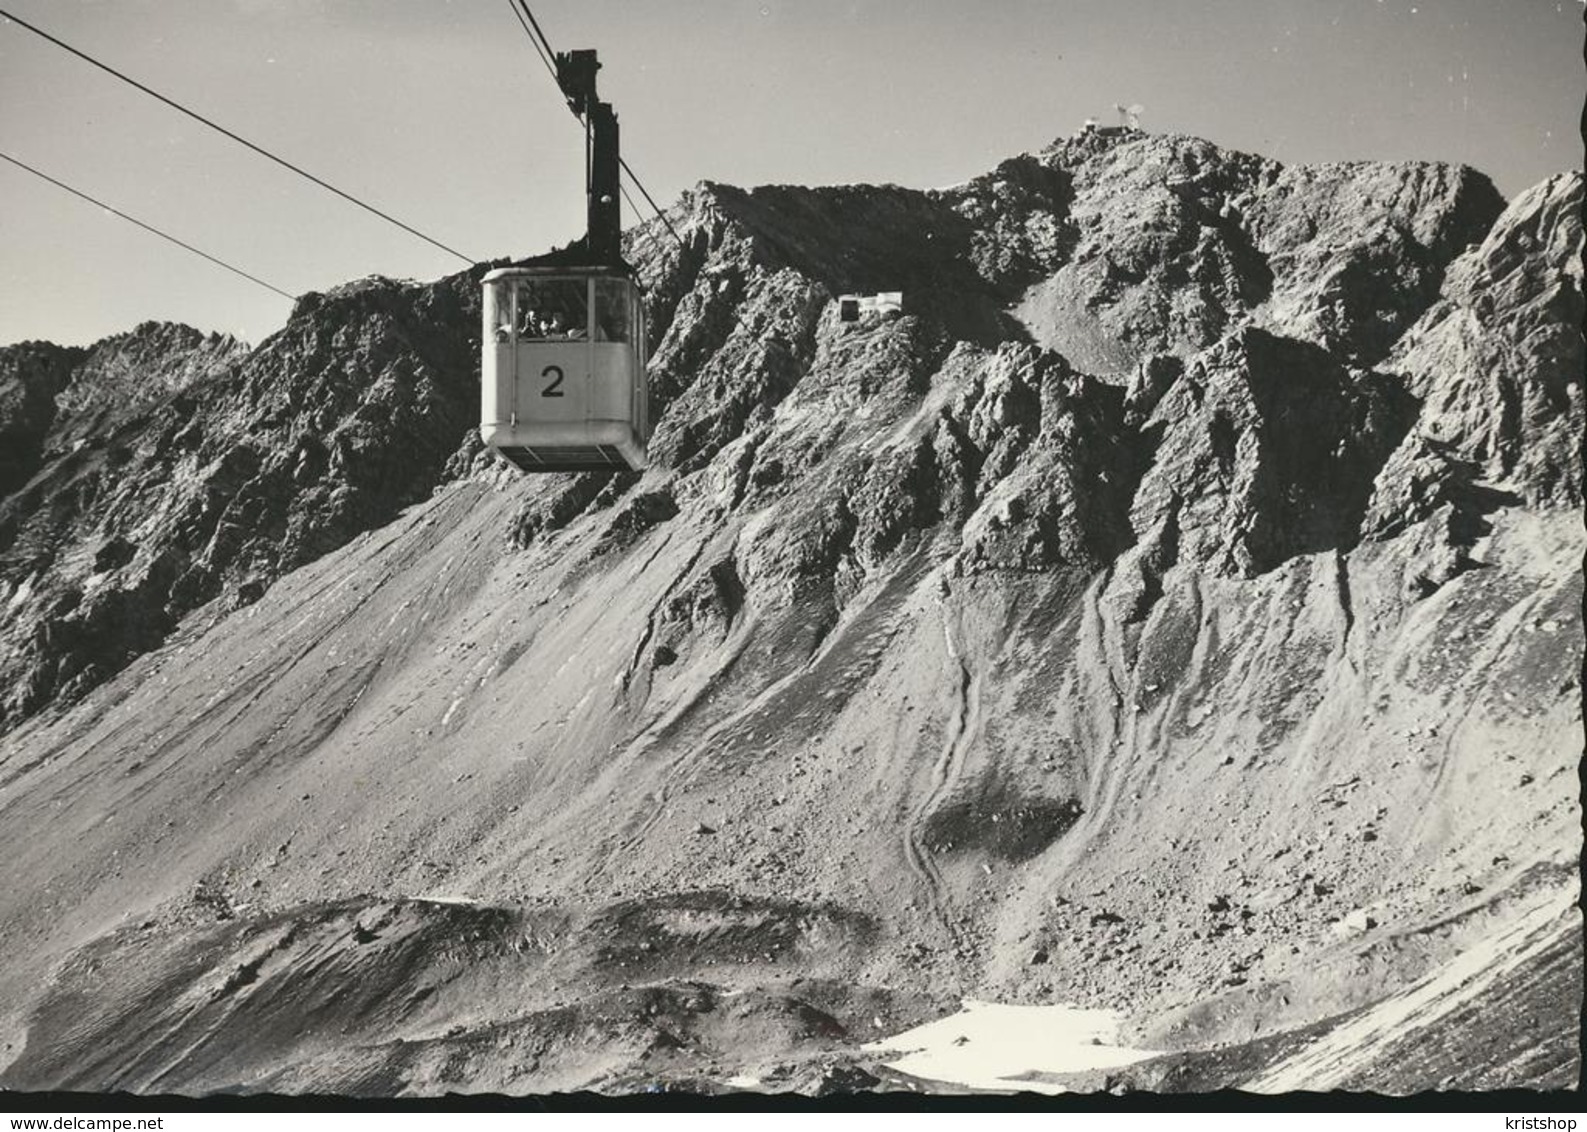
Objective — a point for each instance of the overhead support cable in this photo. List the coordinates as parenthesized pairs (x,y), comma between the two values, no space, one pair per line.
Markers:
(540,51)
(629,197)
(197,117)
(662,216)
(147,227)
(538,37)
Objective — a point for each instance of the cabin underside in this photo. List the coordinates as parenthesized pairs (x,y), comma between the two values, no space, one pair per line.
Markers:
(590,458)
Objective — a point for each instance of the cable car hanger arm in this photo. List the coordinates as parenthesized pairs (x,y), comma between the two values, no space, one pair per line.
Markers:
(602,168)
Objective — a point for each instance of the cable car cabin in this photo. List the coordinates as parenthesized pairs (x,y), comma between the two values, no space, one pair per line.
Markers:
(563,385)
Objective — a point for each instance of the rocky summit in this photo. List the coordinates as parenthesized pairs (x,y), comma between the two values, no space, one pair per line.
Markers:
(1175,611)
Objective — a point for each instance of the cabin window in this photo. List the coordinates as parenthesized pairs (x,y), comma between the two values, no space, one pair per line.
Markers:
(849,310)
(498,311)
(552,310)
(612,314)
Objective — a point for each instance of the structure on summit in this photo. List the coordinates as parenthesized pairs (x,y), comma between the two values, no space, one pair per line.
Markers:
(851,308)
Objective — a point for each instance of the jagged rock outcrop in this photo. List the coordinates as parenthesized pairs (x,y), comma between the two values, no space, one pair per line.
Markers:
(1267,448)
(1159,260)
(32,374)
(1358,250)
(127,372)
(56,400)
(178,469)
(1497,361)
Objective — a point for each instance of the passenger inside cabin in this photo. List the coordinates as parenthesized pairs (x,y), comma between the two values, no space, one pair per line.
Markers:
(561,327)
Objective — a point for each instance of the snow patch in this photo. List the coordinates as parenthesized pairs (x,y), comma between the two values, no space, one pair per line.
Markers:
(992,1046)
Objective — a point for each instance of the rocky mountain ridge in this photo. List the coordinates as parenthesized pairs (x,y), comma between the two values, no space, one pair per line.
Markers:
(1155,597)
